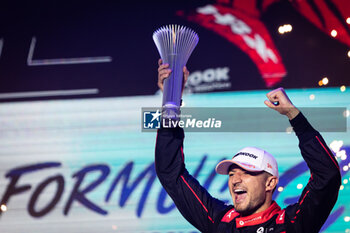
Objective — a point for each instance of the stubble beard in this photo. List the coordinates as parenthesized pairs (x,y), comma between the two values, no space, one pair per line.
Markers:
(250,208)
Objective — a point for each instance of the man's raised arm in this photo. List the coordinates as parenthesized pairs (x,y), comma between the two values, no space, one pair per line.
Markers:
(320,195)
(192,200)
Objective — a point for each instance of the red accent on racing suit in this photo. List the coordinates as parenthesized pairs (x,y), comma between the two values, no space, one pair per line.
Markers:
(208,214)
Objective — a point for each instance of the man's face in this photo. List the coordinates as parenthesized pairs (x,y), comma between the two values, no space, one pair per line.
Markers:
(248,190)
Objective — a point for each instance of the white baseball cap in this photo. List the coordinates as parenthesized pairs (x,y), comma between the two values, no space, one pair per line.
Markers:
(251,159)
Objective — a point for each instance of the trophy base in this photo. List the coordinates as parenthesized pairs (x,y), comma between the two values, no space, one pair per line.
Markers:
(171,112)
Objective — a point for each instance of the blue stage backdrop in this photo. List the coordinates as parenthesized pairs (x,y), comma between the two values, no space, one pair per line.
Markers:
(85,166)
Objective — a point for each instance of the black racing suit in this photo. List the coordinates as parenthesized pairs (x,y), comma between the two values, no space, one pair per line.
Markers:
(208,214)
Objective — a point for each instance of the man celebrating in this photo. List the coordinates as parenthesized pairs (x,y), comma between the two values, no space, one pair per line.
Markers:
(253,176)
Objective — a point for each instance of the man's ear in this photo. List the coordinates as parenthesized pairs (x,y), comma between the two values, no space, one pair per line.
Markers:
(271,183)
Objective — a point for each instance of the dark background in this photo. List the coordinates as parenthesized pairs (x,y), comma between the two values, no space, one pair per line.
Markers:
(123,30)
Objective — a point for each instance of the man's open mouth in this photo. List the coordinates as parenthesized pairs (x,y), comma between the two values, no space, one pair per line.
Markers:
(240,195)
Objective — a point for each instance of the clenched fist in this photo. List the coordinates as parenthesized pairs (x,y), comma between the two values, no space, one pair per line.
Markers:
(279,101)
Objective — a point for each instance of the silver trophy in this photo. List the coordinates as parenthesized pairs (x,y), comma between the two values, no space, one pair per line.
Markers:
(175,44)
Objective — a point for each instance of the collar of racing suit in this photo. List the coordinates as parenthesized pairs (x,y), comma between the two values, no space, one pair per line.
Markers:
(254,219)
(258,218)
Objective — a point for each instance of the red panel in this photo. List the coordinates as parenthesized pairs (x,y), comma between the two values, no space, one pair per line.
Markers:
(246,32)
(331,21)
